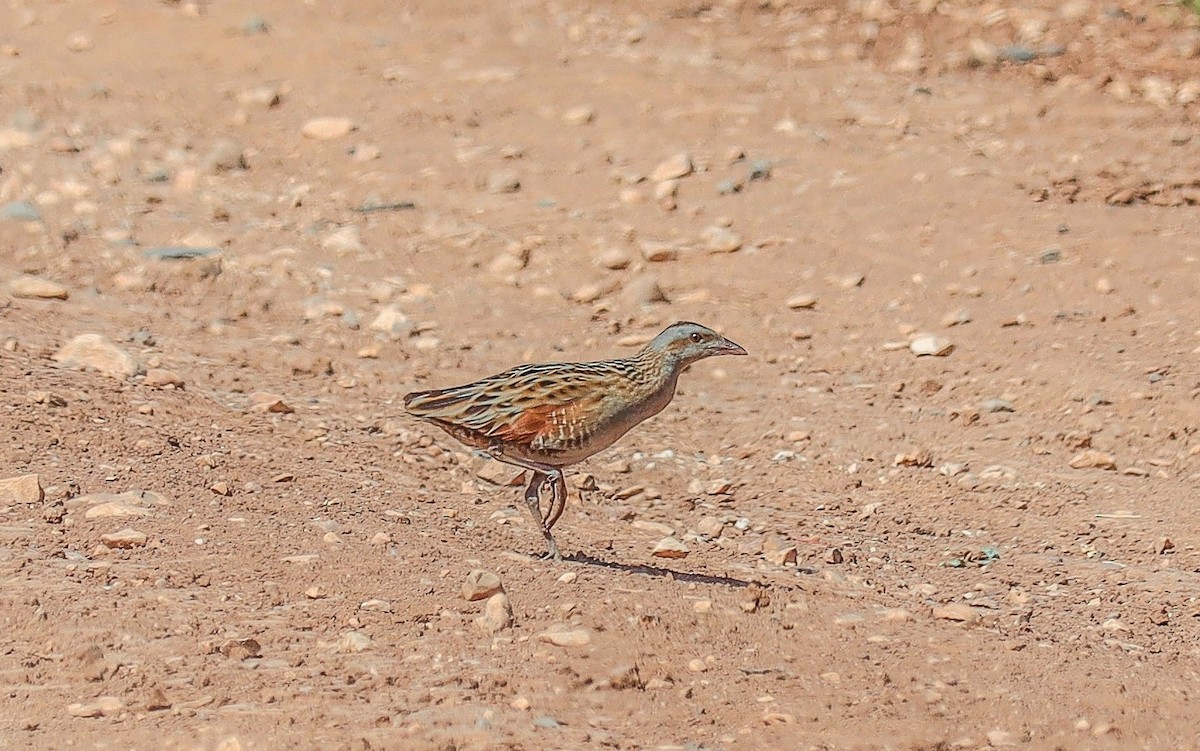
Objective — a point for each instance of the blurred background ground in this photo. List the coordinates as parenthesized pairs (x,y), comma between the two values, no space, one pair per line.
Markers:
(947,503)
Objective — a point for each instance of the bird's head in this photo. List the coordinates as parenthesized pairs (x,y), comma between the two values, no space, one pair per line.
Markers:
(684,343)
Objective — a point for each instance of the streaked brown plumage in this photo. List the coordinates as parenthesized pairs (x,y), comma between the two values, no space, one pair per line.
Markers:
(548,416)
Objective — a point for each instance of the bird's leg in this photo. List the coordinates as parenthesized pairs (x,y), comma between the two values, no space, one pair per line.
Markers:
(558,497)
(541,473)
(533,500)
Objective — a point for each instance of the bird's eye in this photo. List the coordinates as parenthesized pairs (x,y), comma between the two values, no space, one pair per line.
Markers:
(697,337)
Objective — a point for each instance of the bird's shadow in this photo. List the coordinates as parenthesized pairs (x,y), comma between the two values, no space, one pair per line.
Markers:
(641,568)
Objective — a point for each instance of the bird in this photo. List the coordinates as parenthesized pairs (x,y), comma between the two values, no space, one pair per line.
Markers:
(544,417)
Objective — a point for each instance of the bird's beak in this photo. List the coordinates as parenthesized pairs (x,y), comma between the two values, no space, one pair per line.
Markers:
(730,348)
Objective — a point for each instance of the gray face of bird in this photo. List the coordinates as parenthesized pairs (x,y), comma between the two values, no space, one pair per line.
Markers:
(684,343)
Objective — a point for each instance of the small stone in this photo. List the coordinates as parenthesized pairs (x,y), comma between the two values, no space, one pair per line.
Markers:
(327,128)
(353,641)
(581,115)
(1104,286)
(670,547)
(997,405)
(497,614)
(929,344)
(702,606)
(710,526)
(481,584)
(161,378)
(262,402)
(657,251)
(315,592)
(1163,545)
(94,352)
(958,317)
(614,259)
(125,539)
(644,290)
(37,288)
(564,637)
(225,155)
(221,488)
(771,717)
(674,167)
(802,301)
(914,458)
(22,489)
(155,700)
(241,649)
(346,239)
(503,181)
(721,240)
(568,578)
(1093,459)
(80,42)
(392,321)
(1002,739)
(957,611)
(179,252)
(697,665)
(981,52)
(20,211)
(654,528)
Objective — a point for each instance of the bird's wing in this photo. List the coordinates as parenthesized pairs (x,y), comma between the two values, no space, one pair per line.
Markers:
(545,406)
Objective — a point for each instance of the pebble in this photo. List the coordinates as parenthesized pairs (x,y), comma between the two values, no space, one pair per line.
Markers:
(124,539)
(503,181)
(392,321)
(226,155)
(20,211)
(803,301)
(654,528)
(644,290)
(95,352)
(958,317)
(161,377)
(710,526)
(957,611)
(673,167)
(353,641)
(566,637)
(497,614)
(997,405)
(581,115)
(262,402)
(179,252)
(346,239)
(1002,739)
(657,251)
(327,128)
(481,584)
(1103,285)
(697,665)
(102,706)
(721,240)
(22,489)
(614,259)
(568,578)
(930,344)
(37,288)
(1093,459)
(670,547)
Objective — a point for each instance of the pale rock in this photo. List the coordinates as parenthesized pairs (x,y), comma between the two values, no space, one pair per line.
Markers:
(673,167)
(353,641)
(1093,459)
(346,239)
(644,290)
(125,539)
(392,321)
(161,377)
(327,128)
(957,611)
(95,352)
(497,614)
(657,251)
(670,547)
(614,259)
(802,301)
(562,636)
(581,115)
(37,288)
(721,240)
(481,584)
(503,181)
(930,345)
(22,489)
(710,526)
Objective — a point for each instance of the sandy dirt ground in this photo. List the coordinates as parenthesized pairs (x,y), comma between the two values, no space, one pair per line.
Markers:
(947,503)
